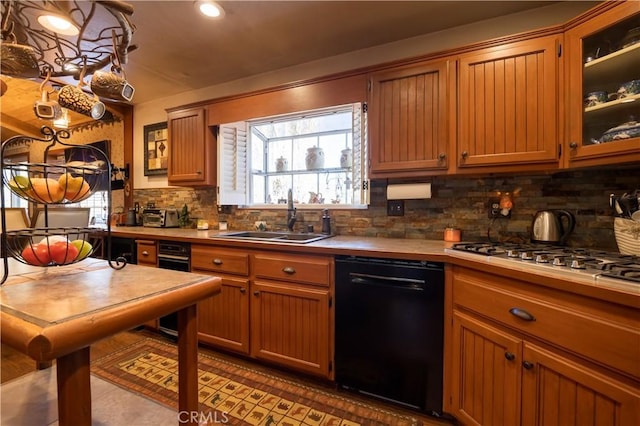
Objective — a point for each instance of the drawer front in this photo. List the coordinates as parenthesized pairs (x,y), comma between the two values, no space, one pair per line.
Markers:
(301,269)
(147,252)
(218,260)
(589,334)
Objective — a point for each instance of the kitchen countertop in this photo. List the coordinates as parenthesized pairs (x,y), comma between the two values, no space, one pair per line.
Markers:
(613,290)
(57,313)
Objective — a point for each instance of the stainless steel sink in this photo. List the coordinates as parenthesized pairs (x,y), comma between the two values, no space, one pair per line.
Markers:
(280,237)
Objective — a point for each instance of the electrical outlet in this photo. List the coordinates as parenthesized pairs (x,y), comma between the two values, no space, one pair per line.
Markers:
(494,209)
(395,207)
(224,209)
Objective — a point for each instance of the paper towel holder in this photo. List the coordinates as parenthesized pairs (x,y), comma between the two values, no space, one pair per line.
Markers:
(409,191)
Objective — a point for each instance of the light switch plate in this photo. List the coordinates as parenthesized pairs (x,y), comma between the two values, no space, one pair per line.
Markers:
(395,207)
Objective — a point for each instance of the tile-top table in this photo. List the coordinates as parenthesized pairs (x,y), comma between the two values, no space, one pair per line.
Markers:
(58,312)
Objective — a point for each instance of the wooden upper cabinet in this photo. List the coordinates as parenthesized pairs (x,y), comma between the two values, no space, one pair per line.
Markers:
(191,148)
(508,106)
(408,120)
(599,60)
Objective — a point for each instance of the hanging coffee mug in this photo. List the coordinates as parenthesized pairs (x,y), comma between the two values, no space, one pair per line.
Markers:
(46,109)
(111,86)
(18,61)
(76,100)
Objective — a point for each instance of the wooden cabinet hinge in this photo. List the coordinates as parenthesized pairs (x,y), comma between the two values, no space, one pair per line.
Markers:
(365,107)
(559,50)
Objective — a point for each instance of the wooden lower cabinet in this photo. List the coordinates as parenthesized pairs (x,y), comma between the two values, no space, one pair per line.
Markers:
(557,391)
(509,371)
(290,326)
(273,306)
(147,255)
(500,379)
(223,320)
(486,385)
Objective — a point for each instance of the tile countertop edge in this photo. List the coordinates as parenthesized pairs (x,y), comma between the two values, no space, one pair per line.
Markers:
(415,249)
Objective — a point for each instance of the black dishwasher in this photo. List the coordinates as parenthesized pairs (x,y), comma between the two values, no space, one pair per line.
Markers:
(389,330)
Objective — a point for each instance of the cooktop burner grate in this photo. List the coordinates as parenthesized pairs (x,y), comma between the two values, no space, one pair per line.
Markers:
(589,261)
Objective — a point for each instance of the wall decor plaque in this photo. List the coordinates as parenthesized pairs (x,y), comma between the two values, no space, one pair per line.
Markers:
(156,149)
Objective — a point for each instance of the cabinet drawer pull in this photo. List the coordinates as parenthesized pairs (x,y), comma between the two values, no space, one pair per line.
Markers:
(217,261)
(288,270)
(522,314)
(256,293)
(510,356)
(198,172)
(573,145)
(145,253)
(465,154)
(243,290)
(442,156)
(527,365)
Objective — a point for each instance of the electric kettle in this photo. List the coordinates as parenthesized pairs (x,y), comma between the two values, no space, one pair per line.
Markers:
(552,226)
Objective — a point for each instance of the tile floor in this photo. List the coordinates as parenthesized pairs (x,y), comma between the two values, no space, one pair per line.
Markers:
(31,400)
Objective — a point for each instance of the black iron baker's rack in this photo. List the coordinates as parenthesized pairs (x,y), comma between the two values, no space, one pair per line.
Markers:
(41,183)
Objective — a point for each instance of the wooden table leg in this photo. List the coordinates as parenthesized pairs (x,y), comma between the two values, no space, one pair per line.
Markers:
(42,365)
(74,389)
(188,366)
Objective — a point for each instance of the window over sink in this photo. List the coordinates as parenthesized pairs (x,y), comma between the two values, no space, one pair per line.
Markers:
(319,154)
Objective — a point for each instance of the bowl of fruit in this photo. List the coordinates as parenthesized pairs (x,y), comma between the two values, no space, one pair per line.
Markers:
(49,246)
(52,184)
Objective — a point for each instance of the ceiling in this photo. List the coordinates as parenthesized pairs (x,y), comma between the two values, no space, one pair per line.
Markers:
(178,50)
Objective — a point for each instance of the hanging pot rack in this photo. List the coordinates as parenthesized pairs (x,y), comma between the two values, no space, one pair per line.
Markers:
(105,33)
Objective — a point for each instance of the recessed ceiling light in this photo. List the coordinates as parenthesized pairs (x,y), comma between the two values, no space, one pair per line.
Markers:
(210,9)
(58,24)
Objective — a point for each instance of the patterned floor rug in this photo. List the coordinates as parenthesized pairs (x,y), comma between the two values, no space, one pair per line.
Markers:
(236,395)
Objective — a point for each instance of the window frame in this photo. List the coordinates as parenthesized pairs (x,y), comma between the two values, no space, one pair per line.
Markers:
(235,174)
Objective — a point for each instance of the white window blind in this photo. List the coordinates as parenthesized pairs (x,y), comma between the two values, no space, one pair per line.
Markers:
(232,167)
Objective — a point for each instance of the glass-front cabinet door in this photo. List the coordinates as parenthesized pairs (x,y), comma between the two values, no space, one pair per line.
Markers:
(603,70)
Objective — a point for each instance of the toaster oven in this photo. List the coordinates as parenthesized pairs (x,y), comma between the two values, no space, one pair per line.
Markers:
(160,218)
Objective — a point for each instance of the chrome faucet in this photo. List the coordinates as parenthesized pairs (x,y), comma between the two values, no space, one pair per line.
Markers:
(291,211)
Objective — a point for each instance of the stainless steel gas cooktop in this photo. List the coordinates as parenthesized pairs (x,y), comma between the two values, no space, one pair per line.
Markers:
(596,263)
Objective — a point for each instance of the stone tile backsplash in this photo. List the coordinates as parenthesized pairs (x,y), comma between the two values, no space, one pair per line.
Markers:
(461,202)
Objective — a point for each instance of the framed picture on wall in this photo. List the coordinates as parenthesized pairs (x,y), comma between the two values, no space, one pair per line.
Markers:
(156,149)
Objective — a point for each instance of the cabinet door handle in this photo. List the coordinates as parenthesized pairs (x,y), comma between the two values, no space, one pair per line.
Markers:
(198,172)
(217,261)
(145,253)
(527,365)
(442,156)
(522,314)
(288,270)
(243,290)
(573,145)
(256,293)
(510,356)
(465,154)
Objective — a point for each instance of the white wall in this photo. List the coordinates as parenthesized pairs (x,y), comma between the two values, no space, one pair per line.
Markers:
(154,112)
